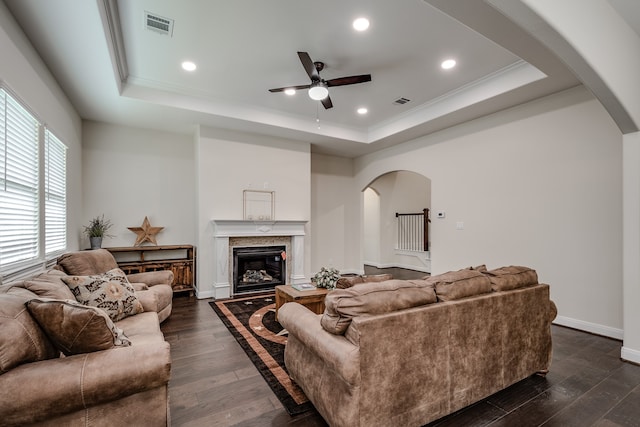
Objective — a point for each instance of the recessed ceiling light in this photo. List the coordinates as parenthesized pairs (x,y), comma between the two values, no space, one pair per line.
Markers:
(448,64)
(290,91)
(361,24)
(189,66)
(362,110)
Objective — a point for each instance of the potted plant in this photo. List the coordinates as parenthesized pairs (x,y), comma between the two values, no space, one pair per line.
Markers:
(96,230)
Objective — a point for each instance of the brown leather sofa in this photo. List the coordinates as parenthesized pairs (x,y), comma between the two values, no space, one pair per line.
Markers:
(105,386)
(407,352)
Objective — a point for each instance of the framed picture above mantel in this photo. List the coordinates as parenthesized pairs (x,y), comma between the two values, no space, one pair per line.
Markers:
(258,205)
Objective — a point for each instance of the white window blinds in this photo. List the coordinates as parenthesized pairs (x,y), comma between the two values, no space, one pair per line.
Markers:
(33,188)
(55,186)
(19,225)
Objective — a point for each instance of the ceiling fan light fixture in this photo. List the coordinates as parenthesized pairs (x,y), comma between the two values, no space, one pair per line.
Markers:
(318,91)
(290,91)
(362,110)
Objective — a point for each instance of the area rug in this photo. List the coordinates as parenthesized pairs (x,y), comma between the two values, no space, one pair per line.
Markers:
(252,322)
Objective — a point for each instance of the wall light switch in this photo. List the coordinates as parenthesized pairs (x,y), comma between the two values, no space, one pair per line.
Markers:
(459,225)
(441,214)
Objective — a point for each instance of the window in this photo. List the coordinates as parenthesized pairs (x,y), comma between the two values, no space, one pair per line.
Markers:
(32,188)
(55,194)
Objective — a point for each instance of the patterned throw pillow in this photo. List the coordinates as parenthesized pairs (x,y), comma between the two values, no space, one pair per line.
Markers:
(75,328)
(110,291)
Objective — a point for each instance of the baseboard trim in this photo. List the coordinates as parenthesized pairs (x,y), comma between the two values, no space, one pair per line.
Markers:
(630,355)
(594,328)
(204,295)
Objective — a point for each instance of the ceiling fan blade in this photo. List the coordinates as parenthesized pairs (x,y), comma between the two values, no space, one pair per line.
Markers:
(351,80)
(282,89)
(307,63)
(327,103)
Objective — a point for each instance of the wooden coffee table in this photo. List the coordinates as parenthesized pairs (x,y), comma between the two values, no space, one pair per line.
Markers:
(313,299)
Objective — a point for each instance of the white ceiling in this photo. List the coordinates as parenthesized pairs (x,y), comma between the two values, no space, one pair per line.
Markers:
(115,70)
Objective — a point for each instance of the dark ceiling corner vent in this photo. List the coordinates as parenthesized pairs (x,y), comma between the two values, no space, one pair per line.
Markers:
(401,101)
(157,23)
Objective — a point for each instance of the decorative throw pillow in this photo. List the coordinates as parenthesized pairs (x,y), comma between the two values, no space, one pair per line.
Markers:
(110,291)
(22,340)
(75,328)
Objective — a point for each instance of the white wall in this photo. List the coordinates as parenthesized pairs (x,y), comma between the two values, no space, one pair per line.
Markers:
(371,227)
(22,70)
(538,185)
(608,62)
(336,214)
(228,163)
(130,173)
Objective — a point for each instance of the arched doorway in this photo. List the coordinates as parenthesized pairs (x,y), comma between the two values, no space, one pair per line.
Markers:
(391,193)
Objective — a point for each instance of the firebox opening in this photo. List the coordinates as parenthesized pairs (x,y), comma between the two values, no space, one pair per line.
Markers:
(258,268)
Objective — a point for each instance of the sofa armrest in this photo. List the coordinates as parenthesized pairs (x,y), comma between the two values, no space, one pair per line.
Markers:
(336,351)
(46,389)
(151,278)
(553,311)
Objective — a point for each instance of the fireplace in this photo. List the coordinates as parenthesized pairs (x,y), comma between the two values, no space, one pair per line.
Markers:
(230,234)
(258,268)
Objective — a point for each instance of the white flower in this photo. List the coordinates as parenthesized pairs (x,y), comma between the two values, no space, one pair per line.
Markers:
(326,278)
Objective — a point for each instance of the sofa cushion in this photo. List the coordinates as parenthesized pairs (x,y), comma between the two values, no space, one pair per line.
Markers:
(86,263)
(49,284)
(372,278)
(349,281)
(75,328)
(512,277)
(460,284)
(21,338)
(110,291)
(342,305)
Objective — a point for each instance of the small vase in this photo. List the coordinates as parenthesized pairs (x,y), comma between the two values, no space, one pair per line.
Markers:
(96,242)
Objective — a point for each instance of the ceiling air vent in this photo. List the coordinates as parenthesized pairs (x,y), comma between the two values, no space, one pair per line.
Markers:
(157,23)
(401,101)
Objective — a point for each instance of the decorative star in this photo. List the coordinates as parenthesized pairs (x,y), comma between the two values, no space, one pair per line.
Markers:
(146,233)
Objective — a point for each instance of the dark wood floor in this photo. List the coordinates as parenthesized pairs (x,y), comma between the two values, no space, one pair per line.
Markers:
(213,383)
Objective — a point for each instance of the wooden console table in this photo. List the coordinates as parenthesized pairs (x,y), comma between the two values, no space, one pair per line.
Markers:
(180,259)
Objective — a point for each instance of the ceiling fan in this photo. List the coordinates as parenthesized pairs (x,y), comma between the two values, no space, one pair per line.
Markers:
(318,89)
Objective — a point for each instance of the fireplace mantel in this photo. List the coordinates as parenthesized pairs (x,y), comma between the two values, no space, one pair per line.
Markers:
(223,229)
(239,228)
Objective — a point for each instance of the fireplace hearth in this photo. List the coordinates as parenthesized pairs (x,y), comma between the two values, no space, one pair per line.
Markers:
(258,268)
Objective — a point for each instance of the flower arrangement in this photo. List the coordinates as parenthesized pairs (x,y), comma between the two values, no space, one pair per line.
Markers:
(326,278)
